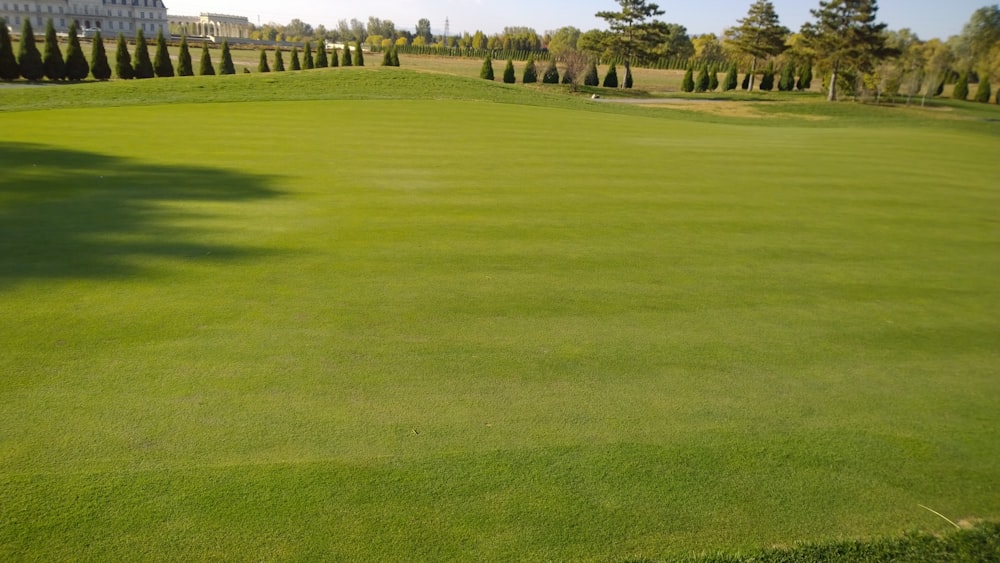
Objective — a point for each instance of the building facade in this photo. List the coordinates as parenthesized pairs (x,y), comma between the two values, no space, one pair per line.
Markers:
(111,17)
(211,26)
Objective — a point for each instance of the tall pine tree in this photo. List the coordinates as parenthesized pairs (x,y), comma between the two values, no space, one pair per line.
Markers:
(99,66)
(8,63)
(52,59)
(206,68)
(76,63)
(29,60)
(759,35)
(141,64)
(227,66)
(162,65)
(845,36)
(185,67)
(123,60)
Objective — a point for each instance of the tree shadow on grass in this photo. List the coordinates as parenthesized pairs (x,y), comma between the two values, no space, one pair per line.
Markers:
(68,214)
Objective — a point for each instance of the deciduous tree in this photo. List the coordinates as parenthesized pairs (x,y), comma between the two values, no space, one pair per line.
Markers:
(846,36)
(759,35)
(76,63)
(123,60)
(162,65)
(185,67)
(52,59)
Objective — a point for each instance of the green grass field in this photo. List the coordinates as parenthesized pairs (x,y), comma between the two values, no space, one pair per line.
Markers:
(395,315)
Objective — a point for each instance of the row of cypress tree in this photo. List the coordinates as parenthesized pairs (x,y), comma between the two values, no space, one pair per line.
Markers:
(551,74)
(708,81)
(983,91)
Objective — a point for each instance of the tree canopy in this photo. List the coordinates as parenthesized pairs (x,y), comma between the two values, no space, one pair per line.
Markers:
(635,31)
(846,36)
(759,35)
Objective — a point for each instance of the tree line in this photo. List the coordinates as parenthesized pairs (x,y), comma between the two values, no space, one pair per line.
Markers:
(34,65)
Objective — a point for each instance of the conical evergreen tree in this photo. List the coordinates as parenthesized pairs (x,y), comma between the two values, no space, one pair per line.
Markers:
(346,60)
(486,71)
(123,60)
(551,75)
(185,67)
(592,78)
(961,91)
(279,61)
(387,57)
(983,92)
(99,66)
(76,63)
(294,64)
(713,80)
(732,80)
(307,57)
(395,56)
(262,66)
(8,63)
(29,60)
(52,59)
(787,81)
(805,77)
(767,80)
(687,84)
(701,84)
(628,77)
(530,75)
(162,65)
(334,58)
(611,78)
(227,66)
(141,65)
(359,55)
(746,82)
(206,68)
(321,60)
(508,73)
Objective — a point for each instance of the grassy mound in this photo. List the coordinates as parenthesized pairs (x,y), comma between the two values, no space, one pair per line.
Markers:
(377,314)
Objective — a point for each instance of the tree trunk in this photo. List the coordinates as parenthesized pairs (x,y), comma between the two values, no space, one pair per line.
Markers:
(753,73)
(832,97)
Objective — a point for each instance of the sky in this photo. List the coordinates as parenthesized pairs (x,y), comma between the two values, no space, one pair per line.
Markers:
(927,18)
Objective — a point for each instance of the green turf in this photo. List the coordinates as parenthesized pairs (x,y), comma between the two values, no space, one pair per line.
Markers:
(398,329)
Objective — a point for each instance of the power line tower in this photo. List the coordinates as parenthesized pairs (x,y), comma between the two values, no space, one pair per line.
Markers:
(447,30)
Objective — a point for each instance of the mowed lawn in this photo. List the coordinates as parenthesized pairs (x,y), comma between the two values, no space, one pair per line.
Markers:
(423,329)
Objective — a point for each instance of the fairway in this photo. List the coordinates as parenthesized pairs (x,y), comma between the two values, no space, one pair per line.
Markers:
(433,329)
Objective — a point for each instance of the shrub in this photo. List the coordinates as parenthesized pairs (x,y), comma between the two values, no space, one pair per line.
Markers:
(713,81)
(227,60)
(961,91)
(568,77)
(592,78)
(334,58)
(787,81)
(123,61)
(530,75)
(162,65)
(8,64)
(206,68)
(687,85)
(295,64)
(279,60)
(307,57)
(76,63)
(767,79)
(321,60)
(508,72)
(52,60)
(29,60)
(142,67)
(486,72)
(262,65)
(805,77)
(99,66)
(551,75)
(611,78)
(701,84)
(628,77)
(395,56)
(983,92)
(359,55)
(346,59)
(184,65)
(732,79)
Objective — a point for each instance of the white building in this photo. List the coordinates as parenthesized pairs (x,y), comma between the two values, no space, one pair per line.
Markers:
(110,16)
